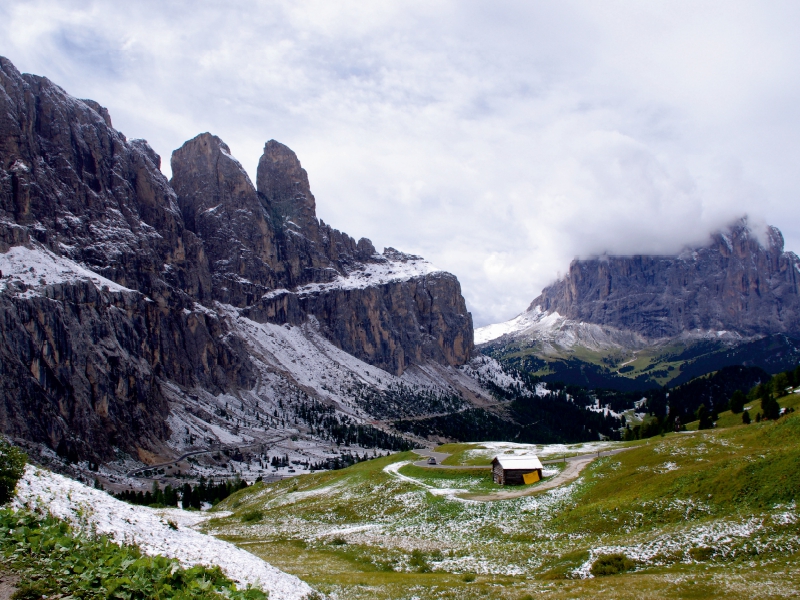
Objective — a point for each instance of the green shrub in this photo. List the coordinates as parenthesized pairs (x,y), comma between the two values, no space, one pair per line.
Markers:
(611,564)
(252,515)
(30,590)
(468,577)
(701,553)
(419,562)
(12,466)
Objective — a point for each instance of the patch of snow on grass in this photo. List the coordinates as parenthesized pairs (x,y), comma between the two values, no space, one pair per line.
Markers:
(490,449)
(149,529)
(666,467)
(722,536)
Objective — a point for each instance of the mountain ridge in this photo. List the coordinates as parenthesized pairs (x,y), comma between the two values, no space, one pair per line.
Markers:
(630,316)
(129,304)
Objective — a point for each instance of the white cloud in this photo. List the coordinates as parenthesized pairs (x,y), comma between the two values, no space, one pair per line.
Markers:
(499,140)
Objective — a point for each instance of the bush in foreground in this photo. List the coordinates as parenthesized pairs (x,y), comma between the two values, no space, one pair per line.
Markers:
(12,466)
(611,564)
(55,559)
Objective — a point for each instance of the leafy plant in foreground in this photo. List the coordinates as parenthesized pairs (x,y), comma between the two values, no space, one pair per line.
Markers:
(54,558)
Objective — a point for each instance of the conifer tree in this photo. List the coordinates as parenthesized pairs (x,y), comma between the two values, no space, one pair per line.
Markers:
(704,417)
(738,400)
(12,466)
(770,407)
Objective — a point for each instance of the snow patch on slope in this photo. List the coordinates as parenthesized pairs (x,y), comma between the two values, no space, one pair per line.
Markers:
(37,267)
(400,267)
(520,323)
(148,528)
(556,333)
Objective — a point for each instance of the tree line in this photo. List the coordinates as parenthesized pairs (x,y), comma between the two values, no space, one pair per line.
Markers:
(703,398)
(190,496)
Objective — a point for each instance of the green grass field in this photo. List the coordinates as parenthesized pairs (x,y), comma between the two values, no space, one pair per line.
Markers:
(710,514)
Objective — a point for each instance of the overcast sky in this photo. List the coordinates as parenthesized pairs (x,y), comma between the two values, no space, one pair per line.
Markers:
(497,139)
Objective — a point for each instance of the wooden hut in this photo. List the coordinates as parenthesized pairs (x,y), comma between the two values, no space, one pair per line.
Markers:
(516,470)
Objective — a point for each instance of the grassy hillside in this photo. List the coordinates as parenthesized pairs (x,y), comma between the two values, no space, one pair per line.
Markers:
(647,368)
(730,419)
(710,514)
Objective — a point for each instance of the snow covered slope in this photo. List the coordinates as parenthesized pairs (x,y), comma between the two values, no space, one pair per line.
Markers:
(387,267)
(297,368)
(37,267)
(556,333)
(150,530)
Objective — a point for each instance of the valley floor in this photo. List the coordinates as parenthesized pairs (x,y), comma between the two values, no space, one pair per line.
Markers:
(710,514)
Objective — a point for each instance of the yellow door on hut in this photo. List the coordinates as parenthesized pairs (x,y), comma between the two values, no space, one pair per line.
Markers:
(529,478)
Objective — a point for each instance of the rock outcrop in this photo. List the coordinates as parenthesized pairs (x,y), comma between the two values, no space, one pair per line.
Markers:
(269,255)
(118,285)
(735,284)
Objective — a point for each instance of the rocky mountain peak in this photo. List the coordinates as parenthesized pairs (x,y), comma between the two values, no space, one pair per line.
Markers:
(220,205)
(123,295)
(77,186)
(283,183)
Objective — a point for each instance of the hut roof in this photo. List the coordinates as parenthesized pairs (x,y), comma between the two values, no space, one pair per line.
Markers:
(518,462)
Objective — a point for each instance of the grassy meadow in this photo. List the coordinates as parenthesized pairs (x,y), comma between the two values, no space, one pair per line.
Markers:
(729,419)
(709,514)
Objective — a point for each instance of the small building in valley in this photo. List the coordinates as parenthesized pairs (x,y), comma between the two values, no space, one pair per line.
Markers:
(516,470)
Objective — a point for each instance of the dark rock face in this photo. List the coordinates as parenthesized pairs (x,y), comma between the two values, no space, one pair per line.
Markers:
(259,240)
(82,365)
(219,204)
(77,186)
(390,326)
(733,284)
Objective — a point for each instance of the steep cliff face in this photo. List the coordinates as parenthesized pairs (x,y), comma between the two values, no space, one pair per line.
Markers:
(633,322)
(393,325)
(126,300)
(77,186)
(219,204)
(733,284)
(390,310)
(99,283)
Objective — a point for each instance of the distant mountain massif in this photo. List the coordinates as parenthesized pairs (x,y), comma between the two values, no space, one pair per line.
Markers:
(631,322)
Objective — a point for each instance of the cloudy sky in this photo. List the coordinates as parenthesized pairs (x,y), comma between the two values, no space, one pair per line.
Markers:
(497,139)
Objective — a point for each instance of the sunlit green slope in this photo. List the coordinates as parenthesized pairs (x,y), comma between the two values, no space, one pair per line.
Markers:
(708,514)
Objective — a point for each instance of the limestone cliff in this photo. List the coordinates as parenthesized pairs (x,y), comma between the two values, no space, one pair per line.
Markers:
(123,294)
(270,255)
(736,283)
